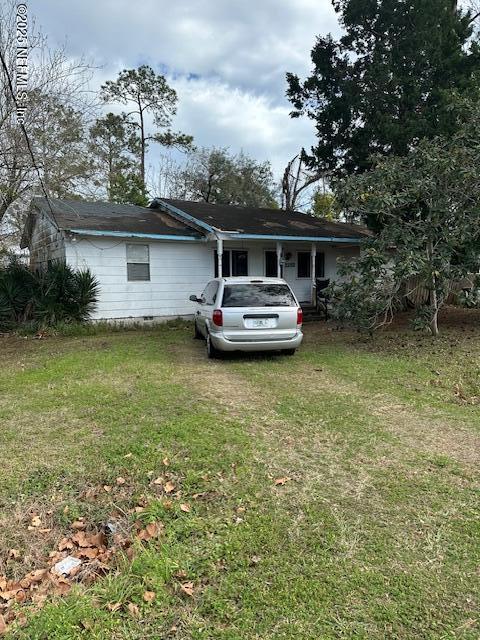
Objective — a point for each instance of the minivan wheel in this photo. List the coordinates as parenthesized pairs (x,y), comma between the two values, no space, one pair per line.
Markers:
(211,351)
(289,352)
(197,335)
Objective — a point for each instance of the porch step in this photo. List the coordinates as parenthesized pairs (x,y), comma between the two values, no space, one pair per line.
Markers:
(310,313)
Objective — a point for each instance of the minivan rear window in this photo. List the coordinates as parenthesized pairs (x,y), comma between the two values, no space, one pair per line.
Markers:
(258,295)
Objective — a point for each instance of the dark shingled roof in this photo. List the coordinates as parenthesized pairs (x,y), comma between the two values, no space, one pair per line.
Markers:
(159,220)
(109,216)
(256,220)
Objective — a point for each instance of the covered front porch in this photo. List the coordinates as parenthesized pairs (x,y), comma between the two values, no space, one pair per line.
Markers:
(299,263)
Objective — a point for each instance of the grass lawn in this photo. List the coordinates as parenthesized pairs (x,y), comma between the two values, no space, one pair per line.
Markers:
(371,530)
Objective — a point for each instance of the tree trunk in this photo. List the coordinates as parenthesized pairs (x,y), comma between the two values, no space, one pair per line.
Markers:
(142,144)
(434,301)
(110,171)
(434,321)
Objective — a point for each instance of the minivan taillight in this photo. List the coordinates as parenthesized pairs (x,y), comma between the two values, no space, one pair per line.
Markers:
(217,318)
(299,315)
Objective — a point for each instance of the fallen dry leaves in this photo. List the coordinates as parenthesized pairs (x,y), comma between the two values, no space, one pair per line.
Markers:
(82,556)
(282,481)
(133,610)
(169,487)
(92,555)
(149,596)
(152,530)
(188,588)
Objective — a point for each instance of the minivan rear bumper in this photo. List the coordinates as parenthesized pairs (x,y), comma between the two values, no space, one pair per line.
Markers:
(223,344)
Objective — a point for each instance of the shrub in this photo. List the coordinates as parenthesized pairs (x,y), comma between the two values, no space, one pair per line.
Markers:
(45,297)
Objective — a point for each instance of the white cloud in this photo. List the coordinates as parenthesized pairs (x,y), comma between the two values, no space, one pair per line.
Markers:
(223,116)
(237,52)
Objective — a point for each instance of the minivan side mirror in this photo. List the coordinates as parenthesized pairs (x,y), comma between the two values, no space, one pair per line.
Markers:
(194,299)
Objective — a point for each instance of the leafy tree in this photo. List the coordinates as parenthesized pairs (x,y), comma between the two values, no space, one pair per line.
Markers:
(387,82)
(216,176)
(324,205)
(428,204)
(59,142)
(128,188)
(114,146)
(57,111)
(146,93)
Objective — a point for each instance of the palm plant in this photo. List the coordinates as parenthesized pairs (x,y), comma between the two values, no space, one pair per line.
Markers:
(65,295)
(46,297)
(17,294)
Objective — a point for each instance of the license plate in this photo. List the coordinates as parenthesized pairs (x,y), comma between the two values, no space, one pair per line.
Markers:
(260,323)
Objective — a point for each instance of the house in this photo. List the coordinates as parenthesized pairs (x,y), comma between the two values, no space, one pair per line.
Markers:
(148,260)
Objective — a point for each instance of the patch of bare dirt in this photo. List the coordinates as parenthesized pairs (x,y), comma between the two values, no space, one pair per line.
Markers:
(214,382)
(425,431)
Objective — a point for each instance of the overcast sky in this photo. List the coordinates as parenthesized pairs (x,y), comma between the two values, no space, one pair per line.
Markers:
(226,58)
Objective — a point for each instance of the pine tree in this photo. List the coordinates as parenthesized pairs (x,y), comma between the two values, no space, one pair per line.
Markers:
(387,82)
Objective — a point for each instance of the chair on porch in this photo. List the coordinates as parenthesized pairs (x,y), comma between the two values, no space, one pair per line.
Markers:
(321,296)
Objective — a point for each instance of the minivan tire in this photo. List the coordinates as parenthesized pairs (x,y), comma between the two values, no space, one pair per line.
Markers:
(212,353)
(197,335)
(289,352)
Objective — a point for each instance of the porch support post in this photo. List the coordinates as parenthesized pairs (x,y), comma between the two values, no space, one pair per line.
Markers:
(219,257)
(314,261)
(279,257)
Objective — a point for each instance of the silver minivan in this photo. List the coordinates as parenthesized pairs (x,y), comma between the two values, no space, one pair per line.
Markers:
(248,314)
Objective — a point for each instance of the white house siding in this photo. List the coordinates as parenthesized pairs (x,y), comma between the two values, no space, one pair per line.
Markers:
(177,269)
(46,244)
(301,286)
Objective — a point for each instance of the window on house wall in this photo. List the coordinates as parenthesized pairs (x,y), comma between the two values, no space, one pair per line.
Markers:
(271,264)
(304,265)
(234,263)
(239,263)
(138,262)
(320,265)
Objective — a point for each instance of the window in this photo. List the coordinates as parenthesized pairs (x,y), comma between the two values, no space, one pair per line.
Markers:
(258,295)
(320,265)
(271,264)
(210,293)
(239,263)
(138,262)
(304,265)
(234,263)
